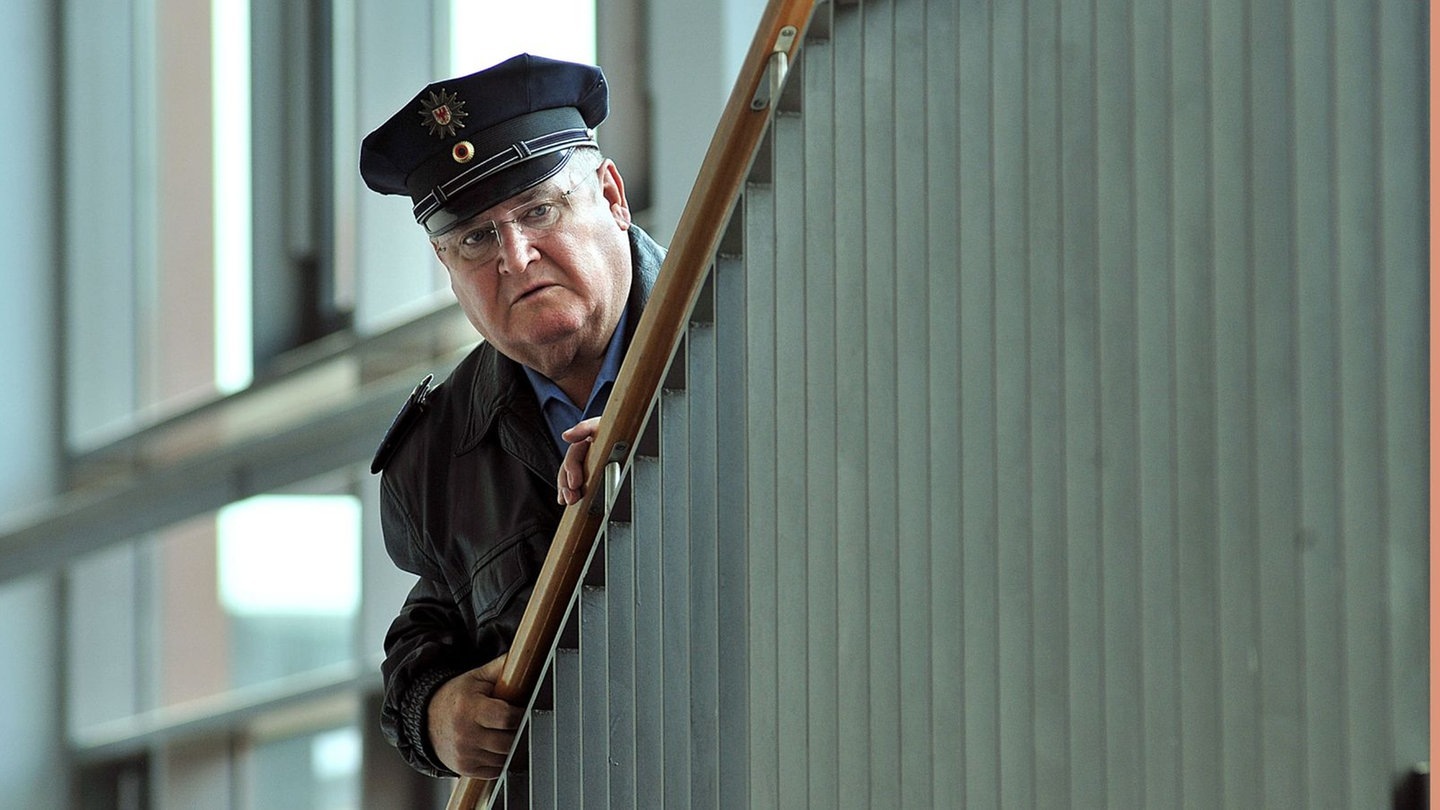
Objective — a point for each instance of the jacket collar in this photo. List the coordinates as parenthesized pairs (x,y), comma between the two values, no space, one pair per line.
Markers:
(501,402)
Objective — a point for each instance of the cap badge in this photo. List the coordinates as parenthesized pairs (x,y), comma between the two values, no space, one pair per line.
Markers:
(442,113)
(463,152)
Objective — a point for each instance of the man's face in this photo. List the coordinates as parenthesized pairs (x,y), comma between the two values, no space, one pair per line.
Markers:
(549,298)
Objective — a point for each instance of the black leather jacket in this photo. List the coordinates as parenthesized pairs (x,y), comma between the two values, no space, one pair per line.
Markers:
(467,502)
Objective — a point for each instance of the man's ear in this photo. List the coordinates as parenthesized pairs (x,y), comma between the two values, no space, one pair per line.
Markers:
(612,187)
(621,214)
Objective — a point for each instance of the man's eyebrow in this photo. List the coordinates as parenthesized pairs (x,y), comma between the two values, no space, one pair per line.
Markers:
(535,193)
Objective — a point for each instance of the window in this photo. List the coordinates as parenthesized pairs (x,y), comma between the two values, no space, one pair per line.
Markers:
(512,28)
(261,591)
(308,771)
(288,570)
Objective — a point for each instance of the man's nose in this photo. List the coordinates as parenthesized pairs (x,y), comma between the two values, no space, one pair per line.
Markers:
(515,248)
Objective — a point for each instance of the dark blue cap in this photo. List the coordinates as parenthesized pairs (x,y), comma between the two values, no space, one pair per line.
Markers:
(465,144)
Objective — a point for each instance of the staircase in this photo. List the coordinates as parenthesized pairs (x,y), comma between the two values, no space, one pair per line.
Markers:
(1021,450)
(644,704)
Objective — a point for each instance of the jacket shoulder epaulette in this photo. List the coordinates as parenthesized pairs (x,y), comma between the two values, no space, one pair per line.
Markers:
(400,426)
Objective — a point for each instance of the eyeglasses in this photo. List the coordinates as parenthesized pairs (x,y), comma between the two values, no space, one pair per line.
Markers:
(481,242)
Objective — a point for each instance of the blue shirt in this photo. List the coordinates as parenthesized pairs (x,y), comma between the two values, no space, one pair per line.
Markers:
(560,413)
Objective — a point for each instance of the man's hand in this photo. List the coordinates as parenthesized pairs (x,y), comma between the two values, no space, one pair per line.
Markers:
(570,483)
(471,731)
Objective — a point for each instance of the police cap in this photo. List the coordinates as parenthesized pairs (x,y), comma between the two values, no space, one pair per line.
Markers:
(465,144)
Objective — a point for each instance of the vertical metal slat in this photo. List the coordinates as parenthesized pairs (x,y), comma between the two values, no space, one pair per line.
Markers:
(675,589)
(542,746)
(569,704)
(786,453)
(620,614)
(649,690)
(594,685)
(760,532)
(732,510)
(704,631)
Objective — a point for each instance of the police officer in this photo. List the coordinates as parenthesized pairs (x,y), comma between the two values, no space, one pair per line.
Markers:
(533,228)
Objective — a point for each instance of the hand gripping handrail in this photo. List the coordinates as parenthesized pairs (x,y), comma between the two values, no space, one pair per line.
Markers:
(657,337)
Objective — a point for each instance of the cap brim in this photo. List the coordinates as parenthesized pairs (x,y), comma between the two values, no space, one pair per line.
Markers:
(492,191)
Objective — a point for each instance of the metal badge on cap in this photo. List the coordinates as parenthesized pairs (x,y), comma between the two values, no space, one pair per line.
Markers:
(442,113)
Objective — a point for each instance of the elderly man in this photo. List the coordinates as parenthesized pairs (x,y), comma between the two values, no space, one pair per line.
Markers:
(532,225)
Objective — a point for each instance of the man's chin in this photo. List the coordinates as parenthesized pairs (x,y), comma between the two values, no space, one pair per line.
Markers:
(551,333)
(547,349)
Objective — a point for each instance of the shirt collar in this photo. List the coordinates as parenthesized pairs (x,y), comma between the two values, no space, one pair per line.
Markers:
(546,391)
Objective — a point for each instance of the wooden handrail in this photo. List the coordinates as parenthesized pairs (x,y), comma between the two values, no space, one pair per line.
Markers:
(657,337)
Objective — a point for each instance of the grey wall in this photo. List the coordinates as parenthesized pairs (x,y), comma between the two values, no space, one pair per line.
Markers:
(1084,408)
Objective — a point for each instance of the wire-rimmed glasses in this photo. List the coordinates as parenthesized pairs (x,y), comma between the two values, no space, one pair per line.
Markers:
(481,241)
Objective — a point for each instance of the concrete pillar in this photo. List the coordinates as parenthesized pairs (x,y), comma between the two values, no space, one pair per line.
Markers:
(32,773)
